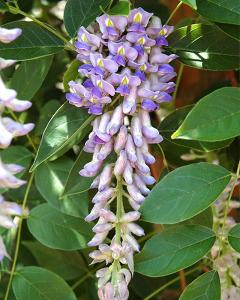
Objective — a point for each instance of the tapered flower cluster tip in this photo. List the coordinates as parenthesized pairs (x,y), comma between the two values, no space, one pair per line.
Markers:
(124,75)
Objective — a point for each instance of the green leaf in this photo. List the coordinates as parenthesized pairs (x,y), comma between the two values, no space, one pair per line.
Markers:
(46,112)
(191,3)
(57,230)
(206,47)
(50,180)
(232,30)
(205,287)
(71,73)
(171,123)
(17,154)
(76,184)
(3,6)
(214,118)
(34,283)
(234,237)
(29,76)
(184,193)
(79,13)
(34,42)
(174,249)
(66,128)
(122,8)
(68,265)
(223,11)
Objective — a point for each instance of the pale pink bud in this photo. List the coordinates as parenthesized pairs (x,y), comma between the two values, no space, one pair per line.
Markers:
(116,121)
(108,215)
(130,149)
(120,163)
(3,251)
(121,139)
(130,216)
(141,185)
(94,214)
(102,197)
(135,193)
(136,131)
(106,292)
(98,239)
(100,228)
(9,35)
(105,178)
(132,242)
(95,182)
(135,229)
(6,221)
(134,204)
(105,150)
(128,173)
(141,165)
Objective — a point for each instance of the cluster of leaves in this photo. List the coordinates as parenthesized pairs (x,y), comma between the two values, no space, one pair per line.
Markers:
(55,239)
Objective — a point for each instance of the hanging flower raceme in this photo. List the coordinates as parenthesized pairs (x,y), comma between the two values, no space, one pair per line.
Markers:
(10,129)
(124,65)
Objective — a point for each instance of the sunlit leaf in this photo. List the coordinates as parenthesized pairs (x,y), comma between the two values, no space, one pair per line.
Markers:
(174,249)
(184,193)
(206,47)
(214,118)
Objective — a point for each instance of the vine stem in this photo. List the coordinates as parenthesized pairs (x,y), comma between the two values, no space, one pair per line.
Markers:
(174,11)
(179,78)
(169,283)
(18,237)
(17,10)
(229,198)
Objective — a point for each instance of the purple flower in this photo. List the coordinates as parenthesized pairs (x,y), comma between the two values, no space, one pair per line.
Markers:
(140,40)
(122,52)
(112,26)
(138,20)
(125,81)
(7,178)
(87,42)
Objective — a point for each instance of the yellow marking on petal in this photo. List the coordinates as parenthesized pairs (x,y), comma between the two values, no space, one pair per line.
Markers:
(137,18)
(121,50)
(84,38)
(99,84)
(109,22)
(100,63)
(93,100)
(163,31)
(143,68)
(154,97)
(125,80)
(141,41)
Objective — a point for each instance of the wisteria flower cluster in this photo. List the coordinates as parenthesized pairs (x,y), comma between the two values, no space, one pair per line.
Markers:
(10,129)
(124,76)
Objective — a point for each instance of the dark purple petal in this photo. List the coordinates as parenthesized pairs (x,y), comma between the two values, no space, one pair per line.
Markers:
(86,67)
(95,109)
(82,46)
(123,89)
(161,41)
(165,69)
(136,27)
(73,99)
(140,75)
(139,49)
(149,105)
(111,31)
(88,83)
(96,91)
(119,59)
(98,71)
